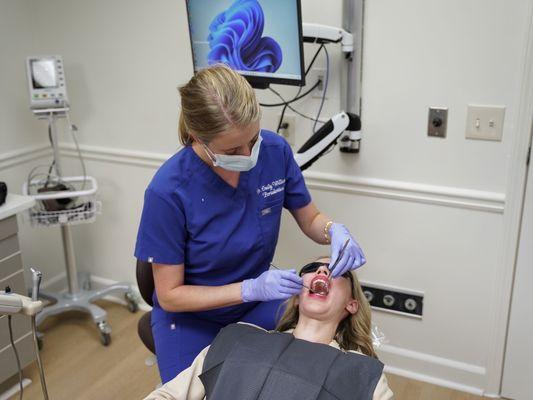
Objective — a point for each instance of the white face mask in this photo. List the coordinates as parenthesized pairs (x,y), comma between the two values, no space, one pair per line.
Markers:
(236,163)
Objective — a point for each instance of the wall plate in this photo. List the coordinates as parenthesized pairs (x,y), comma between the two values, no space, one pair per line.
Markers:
(394,300)
(437,121)
(314,75)
(484,122)
(289,133)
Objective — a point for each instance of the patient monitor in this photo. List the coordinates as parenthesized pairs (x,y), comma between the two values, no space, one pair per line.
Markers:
(46,82)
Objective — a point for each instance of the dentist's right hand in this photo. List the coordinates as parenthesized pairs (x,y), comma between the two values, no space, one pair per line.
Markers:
(271,285)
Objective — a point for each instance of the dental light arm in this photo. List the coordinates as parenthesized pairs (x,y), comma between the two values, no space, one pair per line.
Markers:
(345,125)
(324,138)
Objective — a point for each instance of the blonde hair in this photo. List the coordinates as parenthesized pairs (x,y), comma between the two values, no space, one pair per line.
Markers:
(214,100)
(353,332)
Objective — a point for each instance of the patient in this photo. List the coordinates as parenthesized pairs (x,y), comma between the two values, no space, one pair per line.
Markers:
(321,349)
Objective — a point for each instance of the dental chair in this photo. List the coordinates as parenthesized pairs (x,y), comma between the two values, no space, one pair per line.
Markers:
(145,281)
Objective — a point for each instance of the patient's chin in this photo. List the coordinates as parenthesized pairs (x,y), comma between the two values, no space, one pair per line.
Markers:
(314,308)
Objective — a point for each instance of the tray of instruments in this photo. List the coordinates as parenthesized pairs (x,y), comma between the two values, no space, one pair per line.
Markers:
(61,201)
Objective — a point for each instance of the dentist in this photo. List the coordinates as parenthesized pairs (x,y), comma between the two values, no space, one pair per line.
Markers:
(211,220)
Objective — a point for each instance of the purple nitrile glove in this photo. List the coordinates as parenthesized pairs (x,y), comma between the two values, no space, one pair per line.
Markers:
(271,285)
(353,256)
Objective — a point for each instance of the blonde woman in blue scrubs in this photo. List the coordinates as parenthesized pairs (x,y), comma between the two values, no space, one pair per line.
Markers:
(211,220)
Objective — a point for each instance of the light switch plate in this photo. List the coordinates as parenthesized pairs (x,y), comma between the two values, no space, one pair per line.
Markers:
(484,122)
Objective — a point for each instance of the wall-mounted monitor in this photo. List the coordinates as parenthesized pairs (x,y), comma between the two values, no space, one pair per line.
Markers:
(261,39)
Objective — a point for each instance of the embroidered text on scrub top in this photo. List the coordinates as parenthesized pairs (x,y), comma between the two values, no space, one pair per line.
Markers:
(270,189)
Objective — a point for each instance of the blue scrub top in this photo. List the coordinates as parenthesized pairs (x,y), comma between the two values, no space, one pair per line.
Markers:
(221,234)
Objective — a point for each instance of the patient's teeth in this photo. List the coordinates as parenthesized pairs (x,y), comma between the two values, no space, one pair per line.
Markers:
(320,286)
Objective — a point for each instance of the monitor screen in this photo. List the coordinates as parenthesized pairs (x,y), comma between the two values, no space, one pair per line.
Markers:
(261,39)
(43,74)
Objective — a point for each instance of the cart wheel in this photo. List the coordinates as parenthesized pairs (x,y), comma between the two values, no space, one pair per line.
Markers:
(40,341)
(105,333)
(105,339)
(133,305)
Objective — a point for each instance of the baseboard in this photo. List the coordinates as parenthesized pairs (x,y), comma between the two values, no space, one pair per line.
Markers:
(433,380)
(56,284)
(429,368)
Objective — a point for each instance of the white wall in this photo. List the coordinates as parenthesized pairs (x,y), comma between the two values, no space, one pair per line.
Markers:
(22,137)
(123,62)
(428,212)
(17,128)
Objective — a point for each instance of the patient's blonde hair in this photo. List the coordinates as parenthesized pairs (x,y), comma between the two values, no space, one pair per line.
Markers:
(353,332)
(214,100)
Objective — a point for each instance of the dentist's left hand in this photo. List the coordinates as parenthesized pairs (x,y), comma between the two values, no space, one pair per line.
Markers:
(271,285)
(353,256)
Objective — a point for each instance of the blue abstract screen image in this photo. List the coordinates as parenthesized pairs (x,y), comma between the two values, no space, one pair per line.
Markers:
(254,37)
(236,38)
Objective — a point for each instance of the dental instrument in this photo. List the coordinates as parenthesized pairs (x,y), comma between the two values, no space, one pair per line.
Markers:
(281,269)
(341,253)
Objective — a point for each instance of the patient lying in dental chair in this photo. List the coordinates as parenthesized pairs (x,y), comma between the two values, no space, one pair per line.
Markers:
(322,349)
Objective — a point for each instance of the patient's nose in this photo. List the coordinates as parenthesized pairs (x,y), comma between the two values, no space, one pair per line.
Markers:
(323,270)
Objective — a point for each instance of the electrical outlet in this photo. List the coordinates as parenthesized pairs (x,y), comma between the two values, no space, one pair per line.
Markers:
(288,128)
(315,75)
(394,300)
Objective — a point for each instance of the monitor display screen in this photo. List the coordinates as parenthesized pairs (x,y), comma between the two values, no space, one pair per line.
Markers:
(43,73)
(261,39)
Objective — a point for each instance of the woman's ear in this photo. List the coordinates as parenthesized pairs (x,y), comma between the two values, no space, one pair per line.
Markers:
(352,306)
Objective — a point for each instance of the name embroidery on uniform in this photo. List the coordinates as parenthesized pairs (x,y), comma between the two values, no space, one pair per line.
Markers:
(271,189)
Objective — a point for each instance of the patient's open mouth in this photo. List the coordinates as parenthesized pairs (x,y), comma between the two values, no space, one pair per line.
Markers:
(320,285)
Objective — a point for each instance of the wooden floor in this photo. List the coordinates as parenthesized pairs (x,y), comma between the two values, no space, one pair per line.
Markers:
(78,367)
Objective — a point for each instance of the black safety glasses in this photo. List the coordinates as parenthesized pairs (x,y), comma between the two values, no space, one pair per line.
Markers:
(314,266)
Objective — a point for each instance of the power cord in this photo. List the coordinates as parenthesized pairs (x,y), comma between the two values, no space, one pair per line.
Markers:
(287,105)
(73,130)
(54,178)
(294,109)
(16,355)
(295,98)
(324,91)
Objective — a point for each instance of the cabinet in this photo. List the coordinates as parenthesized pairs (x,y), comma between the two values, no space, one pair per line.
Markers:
(11,274)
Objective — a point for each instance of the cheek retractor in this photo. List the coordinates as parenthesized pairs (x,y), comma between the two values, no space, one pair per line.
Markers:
(320,286)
